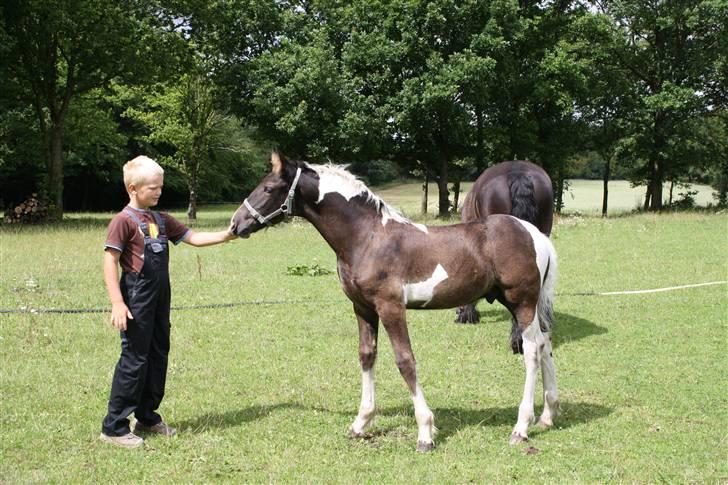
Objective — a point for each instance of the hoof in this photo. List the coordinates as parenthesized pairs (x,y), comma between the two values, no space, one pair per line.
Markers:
(517,439)
(543,424)
(424,447)
(355,434)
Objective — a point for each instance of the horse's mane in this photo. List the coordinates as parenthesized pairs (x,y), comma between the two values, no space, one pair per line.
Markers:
(354,186)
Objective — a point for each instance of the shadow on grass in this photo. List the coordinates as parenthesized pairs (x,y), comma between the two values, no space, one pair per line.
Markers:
(450,421)
(567,328)
(230,419)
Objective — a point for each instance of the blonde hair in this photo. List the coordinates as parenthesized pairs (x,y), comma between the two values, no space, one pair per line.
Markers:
(138,170)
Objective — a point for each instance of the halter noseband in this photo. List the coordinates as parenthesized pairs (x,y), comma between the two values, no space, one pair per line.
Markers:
(286,208)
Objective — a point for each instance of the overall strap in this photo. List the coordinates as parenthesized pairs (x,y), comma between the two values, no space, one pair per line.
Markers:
(142,225)
(160,224)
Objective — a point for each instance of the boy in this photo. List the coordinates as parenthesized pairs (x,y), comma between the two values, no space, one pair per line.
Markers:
(138,241)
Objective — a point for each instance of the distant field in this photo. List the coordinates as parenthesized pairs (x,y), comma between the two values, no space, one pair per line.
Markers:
(586,196)
(583,196)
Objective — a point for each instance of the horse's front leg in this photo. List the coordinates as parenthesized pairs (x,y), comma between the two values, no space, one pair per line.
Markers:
(393,318)
(368,327)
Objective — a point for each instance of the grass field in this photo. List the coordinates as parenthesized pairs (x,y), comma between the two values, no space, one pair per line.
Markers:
(265,392)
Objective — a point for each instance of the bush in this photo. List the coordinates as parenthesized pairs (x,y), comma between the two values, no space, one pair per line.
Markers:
(377,172)
(685,200)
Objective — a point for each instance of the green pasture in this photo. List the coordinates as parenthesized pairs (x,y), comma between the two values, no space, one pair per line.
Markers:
(264,392)
(583,196)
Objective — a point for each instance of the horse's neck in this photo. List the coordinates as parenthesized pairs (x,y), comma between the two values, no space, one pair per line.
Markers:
(344,228)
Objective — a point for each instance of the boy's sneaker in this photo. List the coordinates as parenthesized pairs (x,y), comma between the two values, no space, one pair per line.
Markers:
(129,440)
(159,428)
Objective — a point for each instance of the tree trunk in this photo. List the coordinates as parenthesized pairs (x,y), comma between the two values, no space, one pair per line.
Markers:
(444,195)
(647,198)
(559,188)
(672,186)
(456,197)
(55,171)
(423,204)
(657,162)
(479,155)
(192,207)
(655,187)
(607,175)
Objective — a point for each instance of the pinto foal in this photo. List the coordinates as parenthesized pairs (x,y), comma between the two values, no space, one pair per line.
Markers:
(387,264)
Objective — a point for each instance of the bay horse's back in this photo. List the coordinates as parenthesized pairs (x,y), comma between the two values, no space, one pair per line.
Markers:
(518,188)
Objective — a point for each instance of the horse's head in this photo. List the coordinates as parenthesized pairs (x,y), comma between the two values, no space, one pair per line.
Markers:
(271,201)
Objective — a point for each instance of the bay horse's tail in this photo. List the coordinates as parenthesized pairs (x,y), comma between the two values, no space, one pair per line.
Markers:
(523,200)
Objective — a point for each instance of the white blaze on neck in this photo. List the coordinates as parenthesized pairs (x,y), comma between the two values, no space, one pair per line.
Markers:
(423,291)
(330,183)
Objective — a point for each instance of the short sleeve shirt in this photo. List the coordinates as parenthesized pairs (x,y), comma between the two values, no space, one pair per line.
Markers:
(125,235)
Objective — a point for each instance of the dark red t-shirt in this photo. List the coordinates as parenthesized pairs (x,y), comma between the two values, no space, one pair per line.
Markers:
(125,235)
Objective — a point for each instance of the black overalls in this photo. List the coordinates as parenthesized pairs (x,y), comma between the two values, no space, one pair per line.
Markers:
(140,374)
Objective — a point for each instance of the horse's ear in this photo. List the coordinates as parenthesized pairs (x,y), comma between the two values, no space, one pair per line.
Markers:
(277,161)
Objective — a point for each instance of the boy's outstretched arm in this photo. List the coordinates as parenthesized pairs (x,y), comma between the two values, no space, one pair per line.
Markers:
(119,311)
(200,239)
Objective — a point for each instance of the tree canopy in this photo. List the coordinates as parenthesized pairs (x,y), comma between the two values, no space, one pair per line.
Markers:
(439,88)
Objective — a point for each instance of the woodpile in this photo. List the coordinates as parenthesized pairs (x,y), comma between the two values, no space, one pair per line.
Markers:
(31,210)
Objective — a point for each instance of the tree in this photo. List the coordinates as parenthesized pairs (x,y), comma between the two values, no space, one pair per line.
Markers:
(675,58)
(183,118)
(410,60)
(62,48)
(602,93)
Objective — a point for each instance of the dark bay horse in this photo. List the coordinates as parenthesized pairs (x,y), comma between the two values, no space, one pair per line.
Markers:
(519,188)
(387,264)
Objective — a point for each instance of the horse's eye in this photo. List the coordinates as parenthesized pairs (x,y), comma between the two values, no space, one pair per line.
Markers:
(267,190)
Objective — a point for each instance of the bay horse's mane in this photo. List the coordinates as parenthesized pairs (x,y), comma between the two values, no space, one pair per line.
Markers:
(350,186)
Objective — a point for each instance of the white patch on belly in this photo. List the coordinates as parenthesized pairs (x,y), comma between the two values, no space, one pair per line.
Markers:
(423,291)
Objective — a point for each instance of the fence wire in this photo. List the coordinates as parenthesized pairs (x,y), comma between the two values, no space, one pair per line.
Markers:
(33,310)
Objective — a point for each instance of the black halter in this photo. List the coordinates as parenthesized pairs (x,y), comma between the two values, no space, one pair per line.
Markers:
(285,208)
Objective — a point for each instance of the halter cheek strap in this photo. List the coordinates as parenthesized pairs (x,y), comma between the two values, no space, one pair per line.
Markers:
(285,208)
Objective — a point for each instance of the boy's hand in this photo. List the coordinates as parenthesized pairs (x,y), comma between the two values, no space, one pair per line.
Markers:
(119,315)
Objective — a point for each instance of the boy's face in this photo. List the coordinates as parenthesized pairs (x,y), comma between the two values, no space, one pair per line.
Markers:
(147,194)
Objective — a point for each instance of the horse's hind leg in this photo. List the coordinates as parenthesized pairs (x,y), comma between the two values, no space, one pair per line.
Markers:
(533,343)
(550,391)
(368,328)
(393,318)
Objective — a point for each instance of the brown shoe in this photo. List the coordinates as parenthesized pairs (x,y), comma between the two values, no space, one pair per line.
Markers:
(159,428)
(129,440)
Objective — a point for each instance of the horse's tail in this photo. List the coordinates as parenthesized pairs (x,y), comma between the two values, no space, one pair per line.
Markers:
(548,288)
(547,268)
(523,200)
